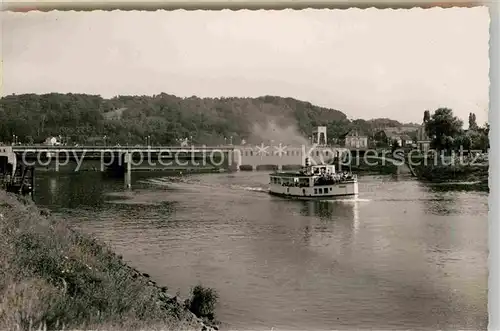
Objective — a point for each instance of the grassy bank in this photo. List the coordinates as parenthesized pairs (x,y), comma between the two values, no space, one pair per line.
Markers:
(471,175)
(55,277)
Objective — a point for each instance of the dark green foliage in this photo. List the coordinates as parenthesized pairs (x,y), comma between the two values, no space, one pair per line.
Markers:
(447,133)
(456,172)
(202,302)
(129,119)
(472,122)
(443,127)
(86,119)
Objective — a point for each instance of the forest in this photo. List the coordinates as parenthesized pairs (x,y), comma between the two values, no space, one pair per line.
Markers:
(165,119)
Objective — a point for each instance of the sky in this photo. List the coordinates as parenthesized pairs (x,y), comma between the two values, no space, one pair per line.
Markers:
(366,63)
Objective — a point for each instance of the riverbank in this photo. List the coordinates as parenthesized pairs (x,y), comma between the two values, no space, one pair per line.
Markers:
(55,277)
(457,175)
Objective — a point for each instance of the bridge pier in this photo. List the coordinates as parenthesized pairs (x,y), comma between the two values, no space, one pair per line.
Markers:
(121,165)
(16,177)
(234,160)
(127,159)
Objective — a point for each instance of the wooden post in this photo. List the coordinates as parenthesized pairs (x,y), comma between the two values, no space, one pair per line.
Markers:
(33,183)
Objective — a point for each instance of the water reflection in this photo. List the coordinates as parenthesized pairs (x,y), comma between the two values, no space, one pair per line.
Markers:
(53,186)
(307,235)
(346,211)
(74,190)
(327,209)
(335,226)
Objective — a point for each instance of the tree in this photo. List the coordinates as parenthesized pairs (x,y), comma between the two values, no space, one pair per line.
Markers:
(463,141)
(395,145)
(427,116)
(483,139)
(472,122)
(442,128)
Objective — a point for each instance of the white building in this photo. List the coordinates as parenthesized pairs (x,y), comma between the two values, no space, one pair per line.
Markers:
(354,140)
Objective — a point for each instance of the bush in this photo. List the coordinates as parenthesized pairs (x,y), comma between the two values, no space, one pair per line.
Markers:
(202,302)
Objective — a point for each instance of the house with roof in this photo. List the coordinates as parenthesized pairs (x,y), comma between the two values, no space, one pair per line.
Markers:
(404,136)
(402,140)
(353,139)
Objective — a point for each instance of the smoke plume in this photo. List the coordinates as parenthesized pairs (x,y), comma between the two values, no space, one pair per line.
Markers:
(273,133)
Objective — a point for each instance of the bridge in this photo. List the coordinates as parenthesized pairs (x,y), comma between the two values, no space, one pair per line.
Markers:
(251,156)
(119,149)
(121,159)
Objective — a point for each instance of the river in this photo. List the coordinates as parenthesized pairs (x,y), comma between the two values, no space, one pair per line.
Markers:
(401,256)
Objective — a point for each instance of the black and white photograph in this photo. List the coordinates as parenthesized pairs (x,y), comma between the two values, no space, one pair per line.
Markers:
(312,169)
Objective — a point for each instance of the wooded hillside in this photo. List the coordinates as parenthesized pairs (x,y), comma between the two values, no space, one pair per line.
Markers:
(166,118)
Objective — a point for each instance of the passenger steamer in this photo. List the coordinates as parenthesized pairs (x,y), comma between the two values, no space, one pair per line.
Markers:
(313,182)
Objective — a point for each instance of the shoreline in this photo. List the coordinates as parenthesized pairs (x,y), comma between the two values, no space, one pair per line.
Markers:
(473,177)
(53,275)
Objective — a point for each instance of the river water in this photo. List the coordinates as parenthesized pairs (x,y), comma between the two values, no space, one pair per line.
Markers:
(401,256)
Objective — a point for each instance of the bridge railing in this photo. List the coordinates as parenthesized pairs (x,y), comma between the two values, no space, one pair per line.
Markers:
(42,148)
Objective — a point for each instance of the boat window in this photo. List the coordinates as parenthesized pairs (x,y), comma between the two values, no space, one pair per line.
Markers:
(331,189)
(315,191)
(320,191)
(304,182)
(251,153)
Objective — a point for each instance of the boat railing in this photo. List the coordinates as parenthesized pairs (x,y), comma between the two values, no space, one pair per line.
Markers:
(295,185)
(332,180)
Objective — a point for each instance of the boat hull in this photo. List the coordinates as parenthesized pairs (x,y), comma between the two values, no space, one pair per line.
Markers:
(322,197)
(344,189)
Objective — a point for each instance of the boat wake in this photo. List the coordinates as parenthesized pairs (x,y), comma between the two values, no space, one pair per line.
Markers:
(176,183)
(250,188)
(344,200)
